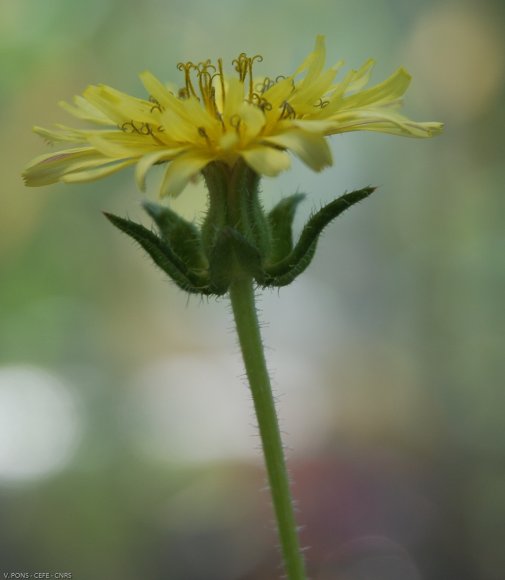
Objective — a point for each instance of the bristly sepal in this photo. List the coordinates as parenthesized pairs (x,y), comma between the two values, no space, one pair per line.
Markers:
(227,248)
(181,235)
(281,219)
(162,255)
(233,256)
(291,266)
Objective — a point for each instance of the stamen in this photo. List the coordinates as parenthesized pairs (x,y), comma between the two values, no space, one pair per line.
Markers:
(235,121)
(145,129)
(138,129)
(287,111)
(261,102)
(268,83)
(204,82)
(186,67)
(156,105)
(127,127)
(203,133)
(244,65)
(206,72)
(221,78)
(204,66)
(241,65)
(250,63)
(220,119)
(322,104)
(265,85)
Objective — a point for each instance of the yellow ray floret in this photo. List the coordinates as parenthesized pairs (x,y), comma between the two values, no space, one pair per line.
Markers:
(218,117)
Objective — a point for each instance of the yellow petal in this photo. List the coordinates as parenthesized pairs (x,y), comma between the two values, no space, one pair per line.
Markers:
(233,100)
(314,61)
(253,120)
(311,148)
(388,91)
(181,170)
(198,115)
(118,144)
(166,98)
(49,168)
(147,161)
(229,141)
(178,128)
(266,160)
(226,121)
(354,81)
(303,100)
(82,109)
(119,106)
(62,134)
(319,126)
(93,174)
(384,121)
(156,89)
(279,92)
(361,77)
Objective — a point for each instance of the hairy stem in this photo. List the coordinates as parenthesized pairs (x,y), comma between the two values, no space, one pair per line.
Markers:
(246,320)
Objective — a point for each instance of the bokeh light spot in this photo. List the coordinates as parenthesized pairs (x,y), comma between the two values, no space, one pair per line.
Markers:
(40,424)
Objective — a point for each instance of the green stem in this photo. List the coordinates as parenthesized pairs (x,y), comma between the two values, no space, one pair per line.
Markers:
(246,320)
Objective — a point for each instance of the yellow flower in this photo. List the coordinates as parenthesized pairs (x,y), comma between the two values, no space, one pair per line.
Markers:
(217,117)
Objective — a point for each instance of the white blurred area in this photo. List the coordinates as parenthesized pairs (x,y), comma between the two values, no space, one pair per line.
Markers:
(40,424)
(194,406)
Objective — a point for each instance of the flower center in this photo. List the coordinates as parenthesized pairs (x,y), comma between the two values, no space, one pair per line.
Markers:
(201,80)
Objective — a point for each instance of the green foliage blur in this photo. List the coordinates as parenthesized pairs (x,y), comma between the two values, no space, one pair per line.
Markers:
(127,444)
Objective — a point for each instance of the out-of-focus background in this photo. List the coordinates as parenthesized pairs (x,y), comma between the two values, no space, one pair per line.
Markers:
(127,442)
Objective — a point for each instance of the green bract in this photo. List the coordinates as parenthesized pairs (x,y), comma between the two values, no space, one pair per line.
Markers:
(237,237)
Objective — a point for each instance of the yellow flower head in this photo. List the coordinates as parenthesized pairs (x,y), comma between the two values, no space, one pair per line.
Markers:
(217,117)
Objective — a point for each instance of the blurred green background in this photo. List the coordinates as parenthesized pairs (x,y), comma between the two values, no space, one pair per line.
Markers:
(127,442)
